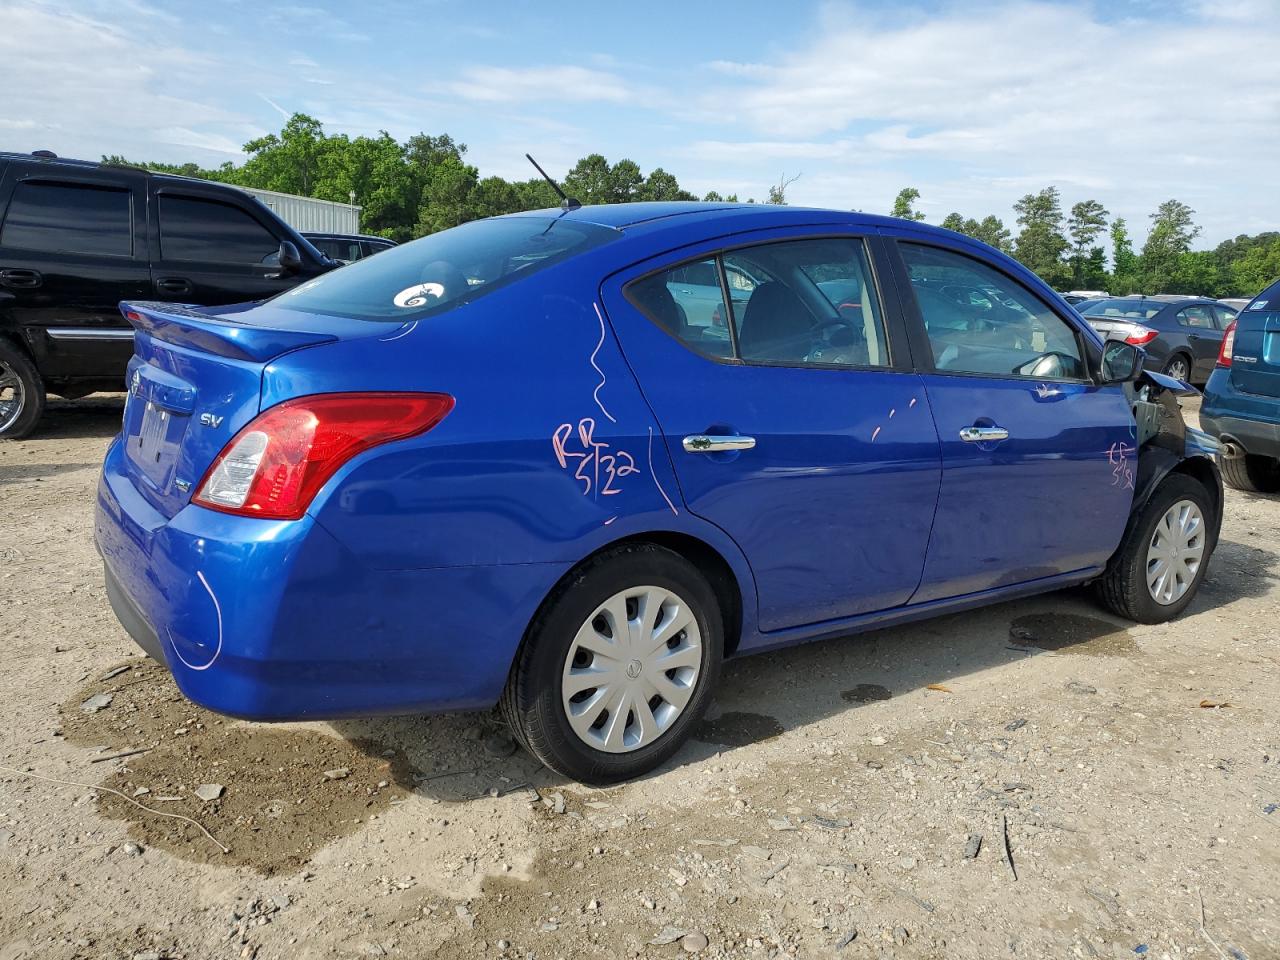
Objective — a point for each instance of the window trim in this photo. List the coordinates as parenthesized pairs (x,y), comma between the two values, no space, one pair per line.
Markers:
(914,317)
(76,184)
(868,241)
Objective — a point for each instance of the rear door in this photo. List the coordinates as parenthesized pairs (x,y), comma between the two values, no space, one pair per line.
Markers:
(798,430)
(72,246)
(1199,322)
(1037,461)
(213,249)
(1255,364)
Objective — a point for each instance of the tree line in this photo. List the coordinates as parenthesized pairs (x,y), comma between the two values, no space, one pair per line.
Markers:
(1067,251)
(425,184)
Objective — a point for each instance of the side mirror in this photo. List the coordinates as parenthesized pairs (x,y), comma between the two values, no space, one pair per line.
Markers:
(289,257)
(1121,362)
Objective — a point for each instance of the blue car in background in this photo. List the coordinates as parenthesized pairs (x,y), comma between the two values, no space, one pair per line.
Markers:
(522,462)
(1242,399)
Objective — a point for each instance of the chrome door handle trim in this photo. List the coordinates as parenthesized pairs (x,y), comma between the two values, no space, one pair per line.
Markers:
(708,443)
(983,434)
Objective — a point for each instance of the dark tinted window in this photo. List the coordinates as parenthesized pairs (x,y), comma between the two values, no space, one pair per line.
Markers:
(1119,307)
(211,232)
(981,321)
(69,218)
(372,246)
(447,268)
(691,312)
(336,249)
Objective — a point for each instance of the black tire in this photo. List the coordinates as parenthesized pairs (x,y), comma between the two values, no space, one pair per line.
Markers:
(532,702)
(1251,472)
(1123,587)
(1178,358)
(30,394)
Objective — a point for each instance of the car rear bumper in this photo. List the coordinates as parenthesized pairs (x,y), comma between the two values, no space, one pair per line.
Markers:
(275,620)
(1251,421)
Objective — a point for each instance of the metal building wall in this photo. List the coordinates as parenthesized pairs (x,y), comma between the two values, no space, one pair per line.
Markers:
(310,214)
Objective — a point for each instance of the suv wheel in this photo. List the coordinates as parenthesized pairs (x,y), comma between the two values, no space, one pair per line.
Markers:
(21,393)
(618,666)
(1251,472)
(1164,554)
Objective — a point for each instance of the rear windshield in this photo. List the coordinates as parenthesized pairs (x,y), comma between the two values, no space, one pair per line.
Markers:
(1268,299)
(445,269)
(1123,309)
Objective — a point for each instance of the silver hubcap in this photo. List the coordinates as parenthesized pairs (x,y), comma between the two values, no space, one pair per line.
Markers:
(1175,552)
(12,396)
(1178,368)
(631,670)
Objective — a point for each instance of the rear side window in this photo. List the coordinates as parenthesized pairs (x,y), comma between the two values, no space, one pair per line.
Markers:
(69,218)
(445,269)
(793,303)
(207,231)
(1124,309)
(1198,317)
(980,321)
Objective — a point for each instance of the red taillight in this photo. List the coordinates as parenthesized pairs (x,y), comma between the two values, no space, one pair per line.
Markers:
(1228,345)
(275,466)
(1141,335)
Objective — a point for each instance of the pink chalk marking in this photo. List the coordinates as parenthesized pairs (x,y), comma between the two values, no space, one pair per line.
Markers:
(610,520)
(654,474)
(592,459)
(892,412)
(912,403)
(875,433)
(595,394)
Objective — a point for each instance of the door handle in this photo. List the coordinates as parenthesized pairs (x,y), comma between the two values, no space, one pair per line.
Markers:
(173,284)
(20,279)
(713,443)
(983,434)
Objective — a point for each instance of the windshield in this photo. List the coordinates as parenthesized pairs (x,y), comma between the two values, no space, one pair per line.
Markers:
(445,269)
(1123,309)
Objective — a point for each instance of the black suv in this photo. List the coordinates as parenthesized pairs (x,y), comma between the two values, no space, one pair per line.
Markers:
(76,238)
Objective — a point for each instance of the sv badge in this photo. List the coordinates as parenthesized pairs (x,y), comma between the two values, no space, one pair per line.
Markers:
(209,420)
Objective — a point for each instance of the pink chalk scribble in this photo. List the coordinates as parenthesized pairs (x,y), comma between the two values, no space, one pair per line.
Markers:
(875,433)
(653,473)
(595,394)
(1118,455)
(592,458)
(912,403)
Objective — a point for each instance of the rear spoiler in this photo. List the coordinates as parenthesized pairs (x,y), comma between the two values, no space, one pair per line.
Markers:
(192,327)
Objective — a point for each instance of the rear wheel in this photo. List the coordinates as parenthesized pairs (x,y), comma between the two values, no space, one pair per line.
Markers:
(1179,366)
(1251,472)
(21,393)
(618,667)
(1164,554)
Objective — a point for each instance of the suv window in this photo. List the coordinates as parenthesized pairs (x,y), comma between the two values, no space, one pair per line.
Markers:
(69,218)
(798,302)
(1200,317)
(983,322)
(209,231)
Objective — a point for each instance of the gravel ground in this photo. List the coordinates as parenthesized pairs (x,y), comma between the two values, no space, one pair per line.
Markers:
(1038,779)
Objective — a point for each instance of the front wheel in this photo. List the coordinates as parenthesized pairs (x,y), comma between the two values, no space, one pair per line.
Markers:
(21,393)
(1164,554)
(618,666)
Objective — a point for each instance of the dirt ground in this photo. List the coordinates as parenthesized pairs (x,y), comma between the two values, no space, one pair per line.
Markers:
(845,799)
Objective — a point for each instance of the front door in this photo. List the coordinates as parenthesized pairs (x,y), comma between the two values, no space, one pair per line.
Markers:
(796,427)
(72,246)
(1038,462)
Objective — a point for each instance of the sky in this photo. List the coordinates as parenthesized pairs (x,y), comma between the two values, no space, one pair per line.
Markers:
(1130,102)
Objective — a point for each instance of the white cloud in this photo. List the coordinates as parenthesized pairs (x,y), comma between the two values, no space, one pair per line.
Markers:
(556,84)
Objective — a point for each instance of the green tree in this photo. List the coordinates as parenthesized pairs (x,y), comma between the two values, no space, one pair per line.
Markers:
(778,193)
(1258,267)
(992,231)
(1040,244)
(290,162)
(904,204)
(954,221)
(1172,230)
(1087,222)
(1125,265)
(660,185)
(712,197)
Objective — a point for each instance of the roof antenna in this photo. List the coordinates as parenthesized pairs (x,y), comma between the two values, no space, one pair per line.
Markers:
(566,202)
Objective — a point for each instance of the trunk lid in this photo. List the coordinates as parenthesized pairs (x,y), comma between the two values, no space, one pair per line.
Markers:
(1255,361)
(196,379)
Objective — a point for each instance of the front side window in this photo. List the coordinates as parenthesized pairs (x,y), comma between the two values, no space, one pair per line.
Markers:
(69,218)
(980,321)
(796,303)
(208,231)
(1198,317)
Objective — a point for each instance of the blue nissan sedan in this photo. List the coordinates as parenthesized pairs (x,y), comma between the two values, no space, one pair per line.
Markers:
(525,462)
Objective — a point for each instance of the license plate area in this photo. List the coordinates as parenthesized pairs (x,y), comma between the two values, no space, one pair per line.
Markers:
(155,421)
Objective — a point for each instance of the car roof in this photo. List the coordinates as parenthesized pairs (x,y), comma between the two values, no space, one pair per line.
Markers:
(56,161)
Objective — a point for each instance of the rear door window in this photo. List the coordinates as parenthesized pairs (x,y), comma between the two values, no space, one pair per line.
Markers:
(60,217)
(209,231)
(1199,317)
(980,321)
(1225,316)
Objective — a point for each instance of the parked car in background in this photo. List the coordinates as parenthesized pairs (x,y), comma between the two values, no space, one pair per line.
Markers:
(1242,399)
(1235,303)
(1181,335)
(348,248)
(507,463)
(77,237)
